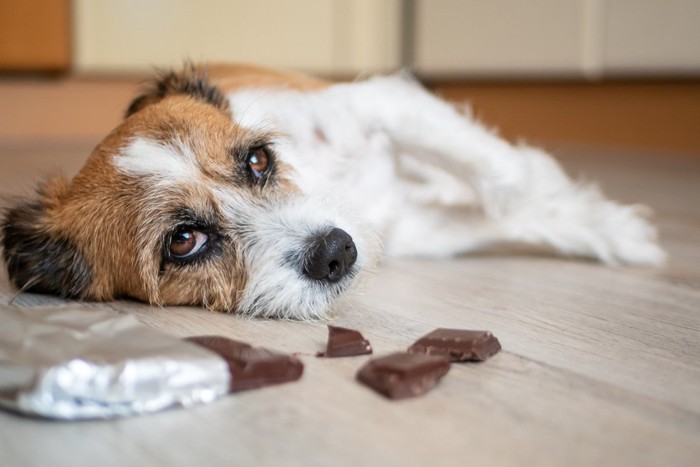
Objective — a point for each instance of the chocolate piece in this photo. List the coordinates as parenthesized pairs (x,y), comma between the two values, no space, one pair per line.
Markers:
(458,344)
(217,344)
(251,367)
(344,342)
(402,375)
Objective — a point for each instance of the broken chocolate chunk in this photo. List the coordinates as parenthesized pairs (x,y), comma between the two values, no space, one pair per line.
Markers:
(344,342)
(251,367)
(402,375)
(217,344)
(458,344)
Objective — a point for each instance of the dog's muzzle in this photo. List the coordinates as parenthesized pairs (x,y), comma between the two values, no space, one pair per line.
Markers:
(330,256)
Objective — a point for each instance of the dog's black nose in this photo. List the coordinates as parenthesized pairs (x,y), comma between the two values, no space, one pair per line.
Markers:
(330,256)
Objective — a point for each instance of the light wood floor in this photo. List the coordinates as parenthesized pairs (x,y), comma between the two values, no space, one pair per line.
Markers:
(599,366)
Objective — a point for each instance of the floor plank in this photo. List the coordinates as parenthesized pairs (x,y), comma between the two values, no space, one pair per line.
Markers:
(600,366)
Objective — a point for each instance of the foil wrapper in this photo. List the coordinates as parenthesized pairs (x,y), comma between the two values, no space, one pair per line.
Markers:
(69,363)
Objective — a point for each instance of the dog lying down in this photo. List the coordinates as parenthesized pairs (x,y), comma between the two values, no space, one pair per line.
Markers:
(249,190)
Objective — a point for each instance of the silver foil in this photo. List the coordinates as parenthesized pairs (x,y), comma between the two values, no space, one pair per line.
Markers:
(70,363)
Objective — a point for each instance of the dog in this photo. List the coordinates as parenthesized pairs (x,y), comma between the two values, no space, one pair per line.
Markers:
(269,193)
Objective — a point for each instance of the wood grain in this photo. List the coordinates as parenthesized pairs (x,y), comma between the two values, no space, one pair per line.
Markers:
(664,115)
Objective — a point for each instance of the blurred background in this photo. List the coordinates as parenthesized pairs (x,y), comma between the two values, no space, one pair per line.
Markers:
(611,73)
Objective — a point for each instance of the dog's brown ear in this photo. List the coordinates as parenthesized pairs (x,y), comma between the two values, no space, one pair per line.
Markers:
(39,258)
(191,81)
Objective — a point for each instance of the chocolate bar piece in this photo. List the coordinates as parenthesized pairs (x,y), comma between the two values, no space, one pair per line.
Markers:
(251,367)
(344,342)
(402,375)
(217,344)
(458,345)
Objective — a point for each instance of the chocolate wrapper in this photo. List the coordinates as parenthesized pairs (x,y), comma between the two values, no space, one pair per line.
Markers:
(72,364)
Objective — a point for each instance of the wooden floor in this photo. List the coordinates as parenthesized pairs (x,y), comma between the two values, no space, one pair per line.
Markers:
(599,366)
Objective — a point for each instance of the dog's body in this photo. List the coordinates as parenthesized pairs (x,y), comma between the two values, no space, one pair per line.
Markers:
(251,190)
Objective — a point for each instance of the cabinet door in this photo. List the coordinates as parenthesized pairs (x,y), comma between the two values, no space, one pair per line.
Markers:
(34,35)
(652,37)
(555,38)
(484,38)
(324,36)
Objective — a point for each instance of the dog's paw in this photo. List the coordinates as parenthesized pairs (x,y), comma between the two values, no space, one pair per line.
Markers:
(627,235)
(580,221)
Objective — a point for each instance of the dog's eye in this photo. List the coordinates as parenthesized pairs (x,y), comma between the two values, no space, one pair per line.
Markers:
(186,241)
(258,162)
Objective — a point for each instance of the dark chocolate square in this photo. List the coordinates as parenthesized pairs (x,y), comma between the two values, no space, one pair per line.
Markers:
(403,375)
(458,344)
(344,342)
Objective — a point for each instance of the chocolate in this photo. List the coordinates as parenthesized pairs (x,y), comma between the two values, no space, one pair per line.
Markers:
(458,344)
(251,367)
(344,342)
(402,375)
(217,344)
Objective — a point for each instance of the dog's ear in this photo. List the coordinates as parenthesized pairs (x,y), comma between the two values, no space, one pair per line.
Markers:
(191,81)
(38,257)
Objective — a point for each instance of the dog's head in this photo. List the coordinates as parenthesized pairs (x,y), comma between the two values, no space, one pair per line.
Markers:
(180,205)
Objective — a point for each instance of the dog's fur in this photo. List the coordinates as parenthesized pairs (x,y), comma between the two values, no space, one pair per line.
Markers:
(382,159)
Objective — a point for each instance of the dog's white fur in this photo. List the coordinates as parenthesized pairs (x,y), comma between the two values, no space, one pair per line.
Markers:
(382,159)
(426,178)
(433,181)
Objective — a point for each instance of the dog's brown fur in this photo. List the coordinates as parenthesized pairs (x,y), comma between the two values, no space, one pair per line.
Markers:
(85,238)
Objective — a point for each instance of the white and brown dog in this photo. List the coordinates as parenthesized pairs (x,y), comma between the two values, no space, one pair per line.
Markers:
(267,193)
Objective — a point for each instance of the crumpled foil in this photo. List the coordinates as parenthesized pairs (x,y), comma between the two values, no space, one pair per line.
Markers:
(70,363)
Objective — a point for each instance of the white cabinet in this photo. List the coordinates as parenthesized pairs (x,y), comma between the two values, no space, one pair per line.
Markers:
(325,36)
(643,36)
(437,38)
(555,38)
(497,37)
